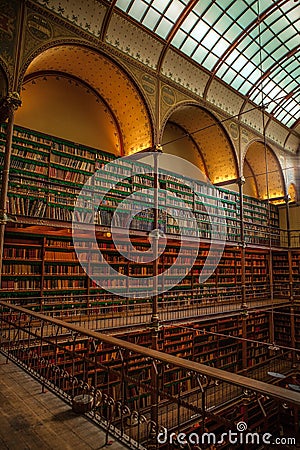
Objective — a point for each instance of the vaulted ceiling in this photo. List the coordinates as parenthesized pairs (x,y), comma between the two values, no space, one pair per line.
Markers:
(251,45)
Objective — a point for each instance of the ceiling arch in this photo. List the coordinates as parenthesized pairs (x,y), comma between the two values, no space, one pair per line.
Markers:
(215,148)
(266,171)
(109,81)
(74,111)
(183,145)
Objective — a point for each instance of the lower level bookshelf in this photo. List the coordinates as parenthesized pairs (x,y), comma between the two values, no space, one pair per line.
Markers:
(40,266)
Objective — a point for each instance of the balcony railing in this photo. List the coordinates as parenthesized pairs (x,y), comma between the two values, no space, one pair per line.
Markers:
(134,392)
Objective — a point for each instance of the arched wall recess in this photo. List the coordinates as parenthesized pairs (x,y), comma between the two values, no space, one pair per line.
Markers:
(109,81)
(184,146)
(250,187)
(266,170)
(74,111)
(214,144)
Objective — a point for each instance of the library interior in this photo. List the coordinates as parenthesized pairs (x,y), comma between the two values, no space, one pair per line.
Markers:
(150,217)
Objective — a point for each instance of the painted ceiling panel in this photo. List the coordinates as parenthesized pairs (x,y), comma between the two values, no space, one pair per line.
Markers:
(228,100)
(187,74)
(130,39)
(88,15)
(277,133)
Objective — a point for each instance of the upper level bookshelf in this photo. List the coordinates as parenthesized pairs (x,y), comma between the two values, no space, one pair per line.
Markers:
(47,174)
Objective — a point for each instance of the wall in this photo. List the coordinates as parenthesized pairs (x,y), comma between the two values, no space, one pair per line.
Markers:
(62,107)
(184,148)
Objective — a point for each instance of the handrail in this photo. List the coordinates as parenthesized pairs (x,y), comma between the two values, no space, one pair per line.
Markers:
(279,393)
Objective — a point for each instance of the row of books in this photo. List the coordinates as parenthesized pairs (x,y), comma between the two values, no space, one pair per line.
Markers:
(21,284)
(29,154)
(63,269)
(33,167)
(68,162)
(25,253)
(26,206)
(73,150)
(58,283)
(21,269)
(66,175)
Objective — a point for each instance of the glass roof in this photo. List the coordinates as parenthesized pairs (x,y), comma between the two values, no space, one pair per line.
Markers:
(256,57)
(157,15)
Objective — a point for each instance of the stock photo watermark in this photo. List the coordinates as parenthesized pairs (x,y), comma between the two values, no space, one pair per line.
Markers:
(97,204)
(239,436)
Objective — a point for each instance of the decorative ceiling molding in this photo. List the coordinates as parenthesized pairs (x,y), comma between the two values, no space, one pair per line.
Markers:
(106,20)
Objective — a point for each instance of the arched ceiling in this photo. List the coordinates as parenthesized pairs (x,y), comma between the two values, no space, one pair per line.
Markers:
(262,160)
(217,154)
(183,145)
(234,53)
(109,82)
(74,111)
(252,45)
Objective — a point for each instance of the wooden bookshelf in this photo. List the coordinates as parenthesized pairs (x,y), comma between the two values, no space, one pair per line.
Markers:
(47,174)
(53,270)
(296,273)
(281,273)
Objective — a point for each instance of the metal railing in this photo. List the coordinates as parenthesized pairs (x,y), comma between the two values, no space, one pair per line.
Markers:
(99,312)
(133,392)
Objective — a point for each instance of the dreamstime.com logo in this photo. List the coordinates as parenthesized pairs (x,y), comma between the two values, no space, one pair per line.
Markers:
(239,437)
(121,196)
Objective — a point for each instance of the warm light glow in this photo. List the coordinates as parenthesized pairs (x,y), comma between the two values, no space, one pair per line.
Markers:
(292,192)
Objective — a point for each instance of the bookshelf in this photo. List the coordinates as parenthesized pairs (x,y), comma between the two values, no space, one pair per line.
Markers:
(296,273)
(258,329)
(45,265)
(282,325)
(281,273)
(47,174)
(214,342)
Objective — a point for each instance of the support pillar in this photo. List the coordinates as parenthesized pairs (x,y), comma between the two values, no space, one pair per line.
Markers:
(10,105)
(244,311)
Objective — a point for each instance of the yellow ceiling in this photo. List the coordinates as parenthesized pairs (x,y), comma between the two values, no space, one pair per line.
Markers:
(109,81)
(261,160)
(73,112)
(213,143)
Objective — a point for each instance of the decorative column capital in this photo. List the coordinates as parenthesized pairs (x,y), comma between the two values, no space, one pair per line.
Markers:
(9,104)
(12,101)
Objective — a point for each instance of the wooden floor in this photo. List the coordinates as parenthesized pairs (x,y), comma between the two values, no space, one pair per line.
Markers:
(32,420)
